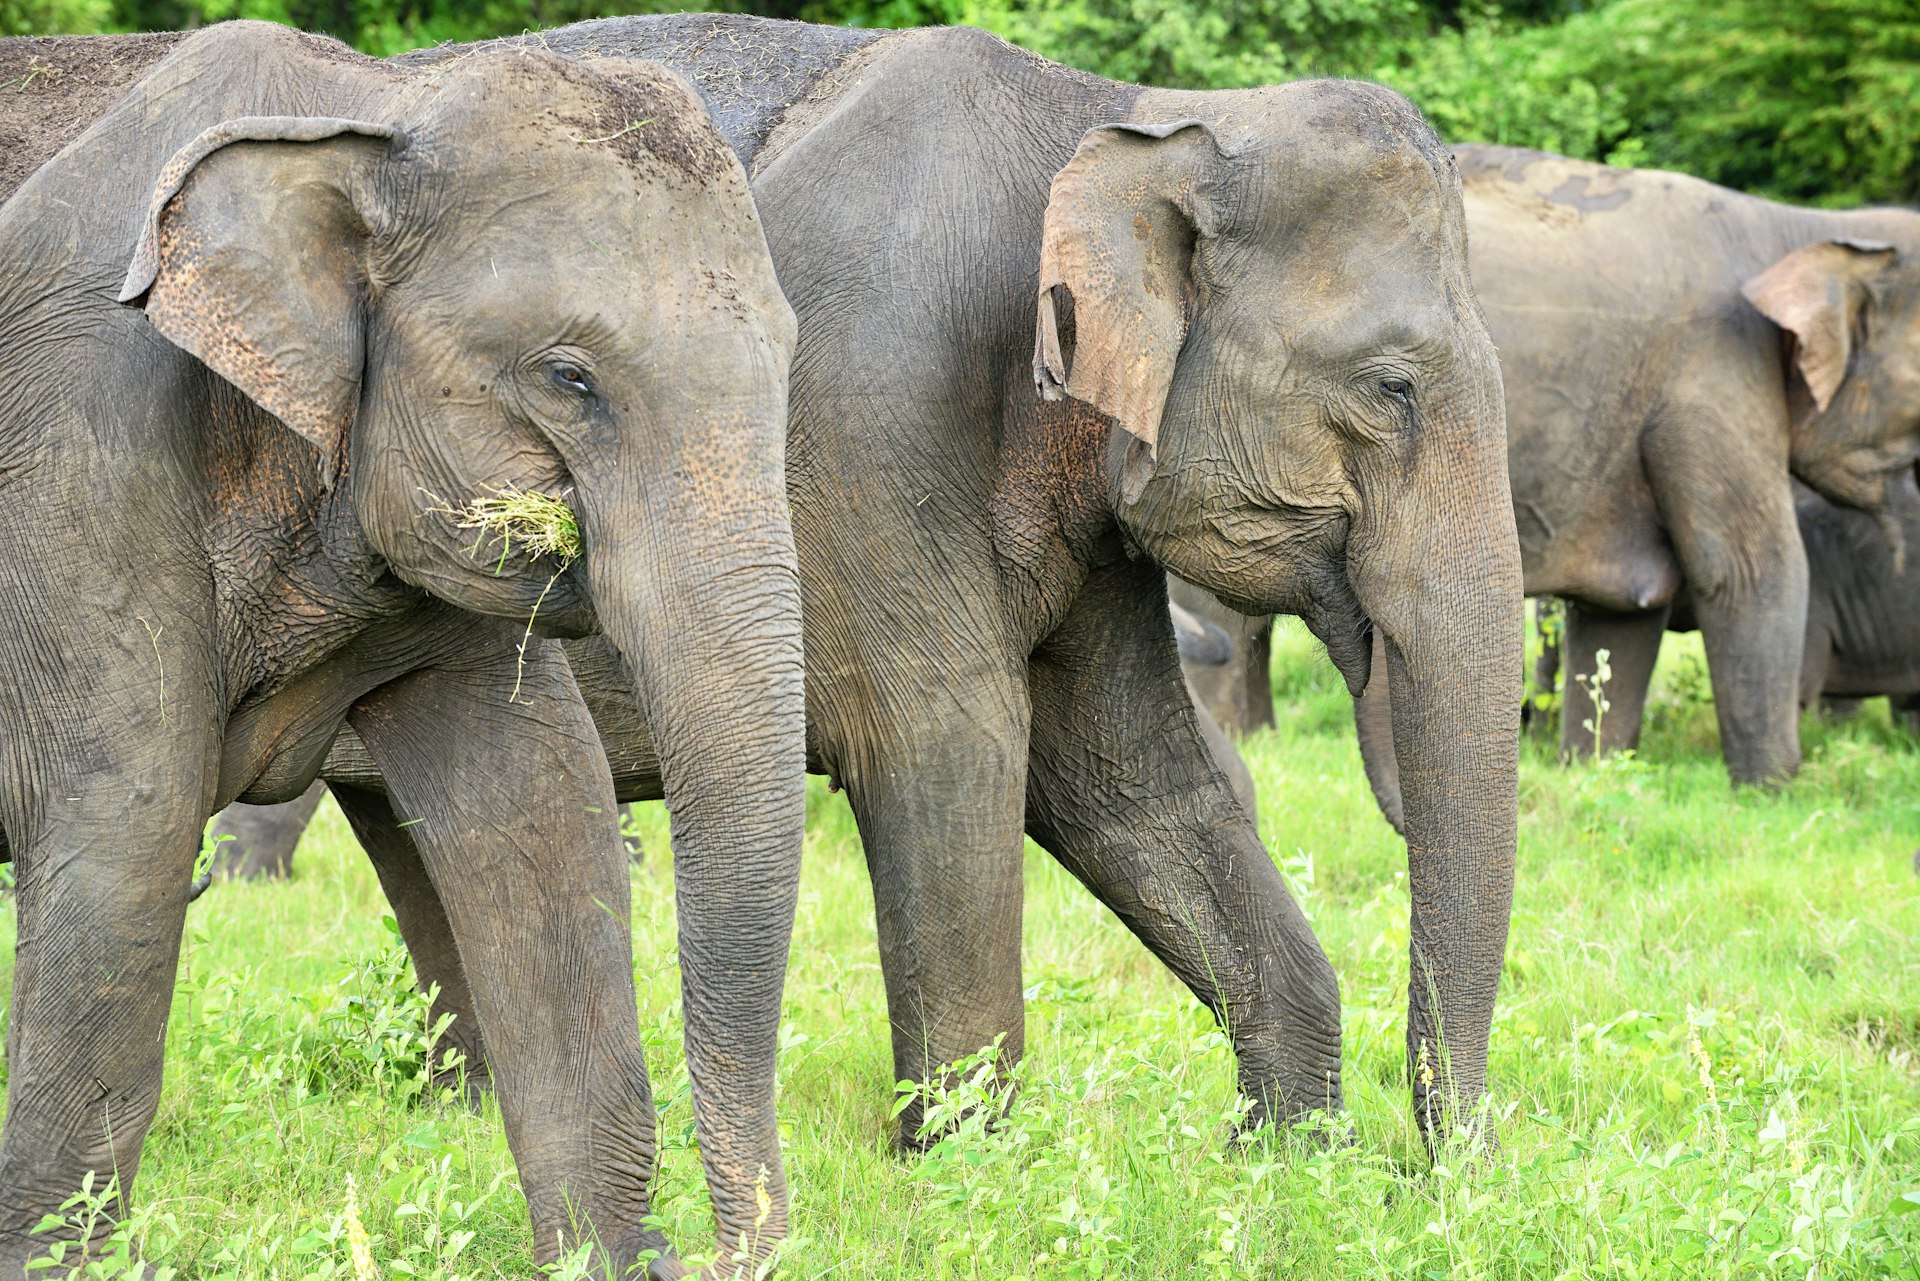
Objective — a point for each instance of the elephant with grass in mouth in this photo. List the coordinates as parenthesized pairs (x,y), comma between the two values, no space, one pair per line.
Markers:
(293,338)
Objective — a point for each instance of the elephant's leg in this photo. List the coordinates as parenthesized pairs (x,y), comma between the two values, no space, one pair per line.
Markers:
(511,810)
(1123,791)
(264,836)
(1373,718)
(1632,645)
(1905,710)
(1227,757)
(1732,522)
(422,918)
(108,780)
(940,817)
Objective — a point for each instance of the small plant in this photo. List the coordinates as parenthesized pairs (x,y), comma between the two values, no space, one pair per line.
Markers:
(105,1245)
(1596,687)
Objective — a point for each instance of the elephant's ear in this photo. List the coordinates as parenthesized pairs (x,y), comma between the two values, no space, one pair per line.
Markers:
(254,259)
(1816,293)
(1122,222)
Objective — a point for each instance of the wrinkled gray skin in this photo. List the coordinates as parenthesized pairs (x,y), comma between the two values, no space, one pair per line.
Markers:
(1672,351)
(1314,427)
(414,287)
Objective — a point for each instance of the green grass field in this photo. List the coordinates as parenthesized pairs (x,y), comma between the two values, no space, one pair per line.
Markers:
(1706,1059)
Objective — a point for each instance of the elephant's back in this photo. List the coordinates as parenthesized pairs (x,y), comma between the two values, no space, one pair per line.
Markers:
(56,86)
(748,71)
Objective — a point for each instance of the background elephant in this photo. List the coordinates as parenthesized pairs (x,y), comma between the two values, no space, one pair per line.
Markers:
(1262,369)
(1237,691)
(246,520)
(1671,350)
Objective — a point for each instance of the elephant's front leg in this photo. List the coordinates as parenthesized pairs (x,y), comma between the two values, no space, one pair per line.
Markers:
(107,783)
(1123,791)
(511,809)
(1604,715)
(1730,515)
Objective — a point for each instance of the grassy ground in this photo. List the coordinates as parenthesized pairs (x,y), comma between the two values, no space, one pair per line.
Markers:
(1707,1054)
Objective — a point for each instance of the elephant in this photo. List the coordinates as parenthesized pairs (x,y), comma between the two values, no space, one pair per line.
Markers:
(1672,352)
(290,333)
(1059,336)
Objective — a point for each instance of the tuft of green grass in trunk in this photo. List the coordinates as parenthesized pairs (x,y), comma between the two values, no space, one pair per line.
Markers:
(1705,1062)
(539,525)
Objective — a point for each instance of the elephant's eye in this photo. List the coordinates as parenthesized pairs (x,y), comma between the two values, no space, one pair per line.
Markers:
(1398,388)
(573,378)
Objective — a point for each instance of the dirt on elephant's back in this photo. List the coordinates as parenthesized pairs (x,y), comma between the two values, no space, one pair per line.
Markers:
(53,87)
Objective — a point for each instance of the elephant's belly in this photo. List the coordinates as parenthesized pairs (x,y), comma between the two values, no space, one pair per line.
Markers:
(1858,676)
(1613,555)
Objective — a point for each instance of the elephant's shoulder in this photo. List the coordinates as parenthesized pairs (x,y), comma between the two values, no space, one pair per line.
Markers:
(936,90)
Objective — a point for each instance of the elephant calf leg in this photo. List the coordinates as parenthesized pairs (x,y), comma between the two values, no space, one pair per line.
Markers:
(263,837)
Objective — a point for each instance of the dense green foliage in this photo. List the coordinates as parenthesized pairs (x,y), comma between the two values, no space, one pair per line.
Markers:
(1706,1055)
(1816,101)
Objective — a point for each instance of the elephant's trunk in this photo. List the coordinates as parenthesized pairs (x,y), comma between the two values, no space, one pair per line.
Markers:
(1438,571)
(693,575)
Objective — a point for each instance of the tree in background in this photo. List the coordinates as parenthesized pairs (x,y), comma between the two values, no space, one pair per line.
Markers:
(1814,100)
(34,17)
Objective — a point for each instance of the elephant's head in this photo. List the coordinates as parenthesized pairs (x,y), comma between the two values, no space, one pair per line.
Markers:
(522,274)
(1270,297)
(1849,313)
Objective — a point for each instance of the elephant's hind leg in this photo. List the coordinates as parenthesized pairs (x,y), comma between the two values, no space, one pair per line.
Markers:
(1631,643)
(938,801)
(1123,791)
